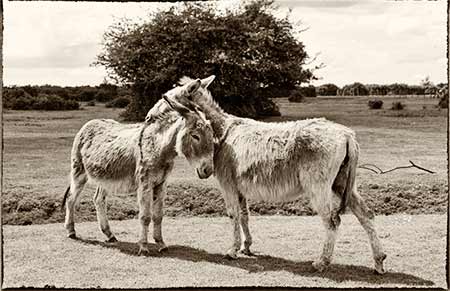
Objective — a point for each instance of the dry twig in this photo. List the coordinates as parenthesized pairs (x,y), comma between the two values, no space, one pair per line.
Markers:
(377,170)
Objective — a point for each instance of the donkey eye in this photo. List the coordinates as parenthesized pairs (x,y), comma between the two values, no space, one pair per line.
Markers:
(196,137)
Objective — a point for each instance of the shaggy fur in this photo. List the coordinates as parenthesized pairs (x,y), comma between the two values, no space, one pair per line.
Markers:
(139,157)
(315,159)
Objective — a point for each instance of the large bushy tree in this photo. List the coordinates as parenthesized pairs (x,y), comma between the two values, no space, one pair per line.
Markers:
(247,48)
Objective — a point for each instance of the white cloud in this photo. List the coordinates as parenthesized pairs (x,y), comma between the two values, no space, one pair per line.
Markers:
(377,42)
(366,41)
(46,39)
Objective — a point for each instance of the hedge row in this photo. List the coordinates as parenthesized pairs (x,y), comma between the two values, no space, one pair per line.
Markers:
(42,102)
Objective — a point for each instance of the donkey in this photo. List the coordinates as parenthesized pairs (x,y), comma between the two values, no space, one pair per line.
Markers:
(312,158)
(139,157)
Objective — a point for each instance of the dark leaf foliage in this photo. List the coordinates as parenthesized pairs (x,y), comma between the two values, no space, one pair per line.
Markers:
(49,97)
(119,102)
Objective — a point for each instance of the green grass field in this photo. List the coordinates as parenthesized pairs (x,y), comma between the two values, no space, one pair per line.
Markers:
(37,158)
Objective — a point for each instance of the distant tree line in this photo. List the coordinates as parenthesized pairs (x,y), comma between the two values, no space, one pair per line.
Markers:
(49,97)
(359,89)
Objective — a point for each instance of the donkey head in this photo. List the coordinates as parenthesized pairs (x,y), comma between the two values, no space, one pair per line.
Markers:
(195,139)
(199,96)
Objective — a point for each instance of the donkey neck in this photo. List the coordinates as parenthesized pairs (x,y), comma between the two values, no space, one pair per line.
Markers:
(217,117)
(169,129)
(221,122)
(163,128)
(157,112)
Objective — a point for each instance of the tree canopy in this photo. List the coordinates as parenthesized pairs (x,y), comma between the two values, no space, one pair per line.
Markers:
(248,49)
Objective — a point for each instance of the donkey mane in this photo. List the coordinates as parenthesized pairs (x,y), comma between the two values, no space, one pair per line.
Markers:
(206,98)
(161,112)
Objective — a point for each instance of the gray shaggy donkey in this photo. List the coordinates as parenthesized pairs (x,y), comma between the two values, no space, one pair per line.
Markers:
(139,157)
(313,158)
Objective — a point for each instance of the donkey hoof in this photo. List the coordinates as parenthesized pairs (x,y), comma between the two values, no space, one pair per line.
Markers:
(72,235)
(320,266)
(112,239)
(143,250)
(379,269)
(162,247)
(231,255)
(247,252)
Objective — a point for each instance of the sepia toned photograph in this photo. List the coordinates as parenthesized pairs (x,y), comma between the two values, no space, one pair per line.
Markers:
(238,143)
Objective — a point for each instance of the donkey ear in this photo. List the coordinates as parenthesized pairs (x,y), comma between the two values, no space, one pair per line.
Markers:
(178,107)
(207,81)
(193,86)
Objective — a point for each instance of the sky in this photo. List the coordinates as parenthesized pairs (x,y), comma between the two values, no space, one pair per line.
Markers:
(372,42)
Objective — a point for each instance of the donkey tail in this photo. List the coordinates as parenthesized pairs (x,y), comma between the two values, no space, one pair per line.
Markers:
(65,198)
(347,173)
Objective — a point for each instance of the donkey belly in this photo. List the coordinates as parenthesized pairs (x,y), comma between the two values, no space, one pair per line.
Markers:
(124,185)
(275,193)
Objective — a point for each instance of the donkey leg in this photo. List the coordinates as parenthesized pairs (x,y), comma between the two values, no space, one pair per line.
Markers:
(78,180)
(328,247)
(144,218)
(102,218)
(145,196)
(157,215)
(244,216)
(232,205)
(366,217)
(331,221)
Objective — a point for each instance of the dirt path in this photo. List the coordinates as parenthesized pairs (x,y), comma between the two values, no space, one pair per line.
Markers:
(41,255)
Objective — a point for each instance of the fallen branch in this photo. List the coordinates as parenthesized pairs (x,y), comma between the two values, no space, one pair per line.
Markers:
(380,171)
(365,167)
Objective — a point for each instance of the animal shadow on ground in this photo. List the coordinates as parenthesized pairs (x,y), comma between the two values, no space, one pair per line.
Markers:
(264,263)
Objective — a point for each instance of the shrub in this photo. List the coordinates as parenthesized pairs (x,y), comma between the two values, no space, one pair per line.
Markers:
(375,104)
(443,95)
(296,96)
(355,89)
(443,103)
(10,96)
(86,93)
(44,102)
(53,102)
(327,90)
(119,102)
(103,96)
(71,105)
(309,91)
(22,103)
(397,106)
